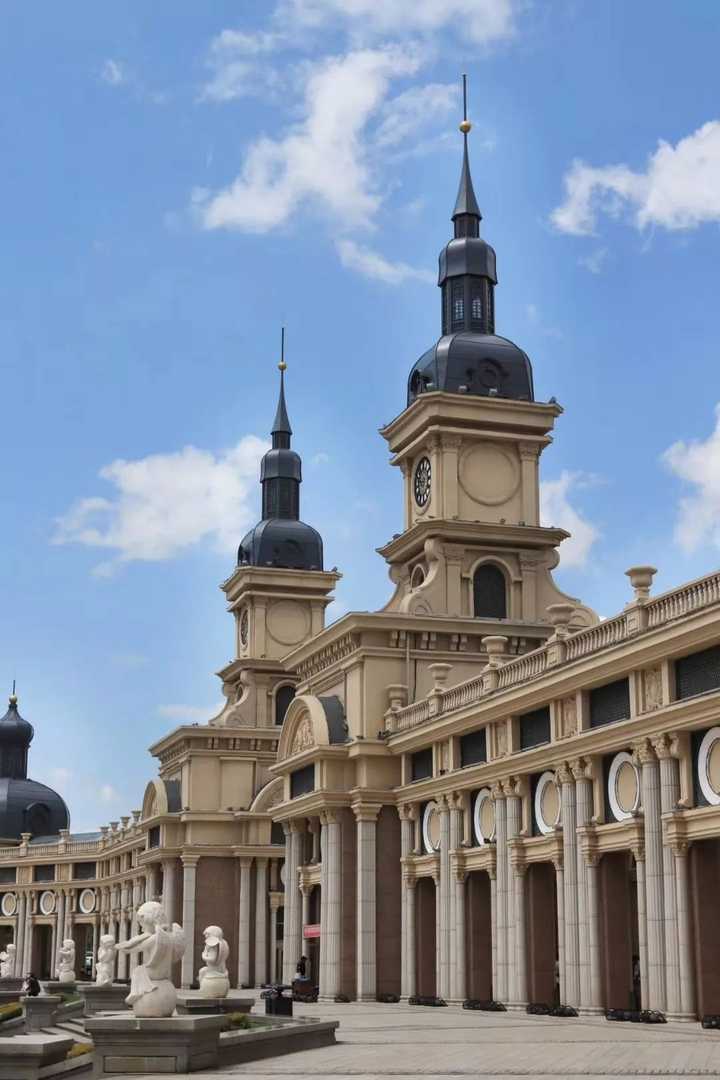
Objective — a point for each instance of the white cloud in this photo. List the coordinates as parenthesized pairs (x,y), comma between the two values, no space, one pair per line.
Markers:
(166,503)
(373,265)
(680,188)
(321,458)
(236,71)
(479,21)
(698,464)
(193,714)
(323,160)
(414,108)
(113,72)
(555,509)
(60,777)
(595,261)
(108,794)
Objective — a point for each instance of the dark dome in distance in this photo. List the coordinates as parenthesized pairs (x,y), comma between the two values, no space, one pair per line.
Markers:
(283,543)
(482,364)
(28,806)
(13,729)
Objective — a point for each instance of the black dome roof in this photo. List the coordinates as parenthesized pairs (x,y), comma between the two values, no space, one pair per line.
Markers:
(282,542)
(483,364)
(13,729)
(28,806)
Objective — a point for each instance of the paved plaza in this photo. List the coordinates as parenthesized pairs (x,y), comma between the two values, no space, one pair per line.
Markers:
(376,1041)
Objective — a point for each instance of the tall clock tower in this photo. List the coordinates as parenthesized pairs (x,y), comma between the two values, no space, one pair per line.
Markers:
(278,591)
(468,445)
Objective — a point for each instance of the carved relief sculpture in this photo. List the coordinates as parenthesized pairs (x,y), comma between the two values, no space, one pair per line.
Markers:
(105,964)
(7,962)
(303,737)
(66,962)
(152,992)
(568,717)
(213,978)
(652,689)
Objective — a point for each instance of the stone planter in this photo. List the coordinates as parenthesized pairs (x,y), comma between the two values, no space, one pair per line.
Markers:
(41,1011)
(275,1037)
(22,1057)
(103,998)
(136,1045)
(190,1003)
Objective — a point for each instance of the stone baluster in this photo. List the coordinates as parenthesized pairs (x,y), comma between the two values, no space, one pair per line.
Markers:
(570,906)
(365,826)
(654,883)
(244,922)
(189,864)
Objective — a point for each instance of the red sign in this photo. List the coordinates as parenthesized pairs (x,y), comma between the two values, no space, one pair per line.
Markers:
(311,930)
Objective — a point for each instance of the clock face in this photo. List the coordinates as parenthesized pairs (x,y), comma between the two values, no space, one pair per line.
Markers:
(244,623)
(421,482)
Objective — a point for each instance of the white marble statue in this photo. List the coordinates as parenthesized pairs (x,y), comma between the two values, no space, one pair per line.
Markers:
(66,961)
(213,978)
(105,963)
(7,962)
(152,992)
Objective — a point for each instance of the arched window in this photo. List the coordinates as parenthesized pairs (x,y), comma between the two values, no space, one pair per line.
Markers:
(283,697)
(489,593)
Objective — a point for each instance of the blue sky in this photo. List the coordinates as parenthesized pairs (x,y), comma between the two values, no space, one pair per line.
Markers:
(181,178)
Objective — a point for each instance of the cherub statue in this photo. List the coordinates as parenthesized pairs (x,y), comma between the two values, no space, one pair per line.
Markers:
(213,978)
(152,992)
(66,961)
(105,964)
(7,962)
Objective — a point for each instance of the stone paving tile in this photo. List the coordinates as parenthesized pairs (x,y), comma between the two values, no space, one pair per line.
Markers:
(381,1041)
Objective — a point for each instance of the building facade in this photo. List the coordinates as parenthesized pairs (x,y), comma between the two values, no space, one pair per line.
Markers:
(481,791)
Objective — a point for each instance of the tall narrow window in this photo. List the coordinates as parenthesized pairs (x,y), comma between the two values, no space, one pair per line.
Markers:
(489,593)
(476,305)
(458,305)
(283,697)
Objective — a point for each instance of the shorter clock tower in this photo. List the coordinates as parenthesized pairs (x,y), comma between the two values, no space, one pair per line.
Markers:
(278,591)
(468,445)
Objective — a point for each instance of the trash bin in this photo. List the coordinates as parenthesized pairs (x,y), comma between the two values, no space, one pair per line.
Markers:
(276,1003)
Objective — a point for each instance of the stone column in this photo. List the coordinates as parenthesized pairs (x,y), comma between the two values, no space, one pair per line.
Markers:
(594,1002)
(501,892)
(443,897)
(639,854)
(366,827)
(323,900)
(244,923)
(411,979)
(261,921)
(122,957)
(292,937)
(275,903)
(60,930)
(189,863)
(570,906)
(520,995)
(456,956)
(583,813)
(515,933)
(685,943)
(134,923)
(331,906)
(28,943)
(407,829)
(169,889)
(20,935)
(669,795)
(493,931)
(654,884)
(560,894)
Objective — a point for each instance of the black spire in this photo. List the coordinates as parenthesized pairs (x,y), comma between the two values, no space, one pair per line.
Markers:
(466,215)
(281,430)
(15,737)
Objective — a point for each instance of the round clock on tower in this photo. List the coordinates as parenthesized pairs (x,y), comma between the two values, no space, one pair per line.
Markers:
(421,483)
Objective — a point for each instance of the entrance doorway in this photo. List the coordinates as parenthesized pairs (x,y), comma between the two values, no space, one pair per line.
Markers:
(425,938)
(542,935)
(84,951)
(704,885)
(312,944)
(619,936)
(478,946)
(41,954)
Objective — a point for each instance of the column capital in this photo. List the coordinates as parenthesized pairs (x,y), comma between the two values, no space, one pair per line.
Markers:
(407,811)
(329,817)
(578,767)
(190,861)
(662,745)
(643,752)
(565,773)
(679,848)
(366,811)
(245,861)
(497,790)
(638,851)
(298,825)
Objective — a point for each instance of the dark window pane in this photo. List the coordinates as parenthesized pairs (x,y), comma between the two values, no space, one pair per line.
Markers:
(610,703)
(698,673)
(277,833)
(154,837)
(534,728)
(421,764)
(84,871)
(44,873)
(473,748)
(489,593)
(302,781)
(283,697)
(8,875)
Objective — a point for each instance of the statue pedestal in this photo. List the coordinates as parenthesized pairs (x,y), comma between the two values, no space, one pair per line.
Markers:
(109,998)
(28,1057)
(14,985)
(54,986)
(190,1003)
(172,1044)
(40,1011)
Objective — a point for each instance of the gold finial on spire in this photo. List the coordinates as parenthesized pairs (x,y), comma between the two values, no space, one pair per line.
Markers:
(465,125)
(282,366)
(13,696)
